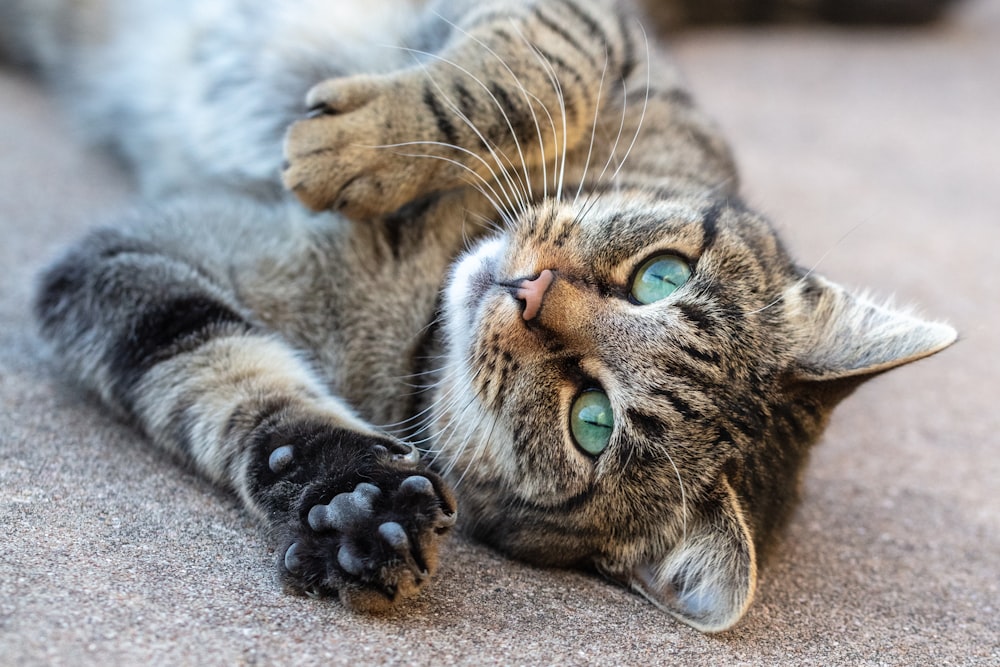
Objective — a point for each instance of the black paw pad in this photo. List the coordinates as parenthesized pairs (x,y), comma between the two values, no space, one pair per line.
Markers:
(346,511)
(280,459)
(293,559)
(418,491)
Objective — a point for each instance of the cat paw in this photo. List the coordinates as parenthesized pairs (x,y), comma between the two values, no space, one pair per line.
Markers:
(373,543)
(345,155)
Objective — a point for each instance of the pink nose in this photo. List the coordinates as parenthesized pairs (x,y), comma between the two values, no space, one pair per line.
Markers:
(532,292)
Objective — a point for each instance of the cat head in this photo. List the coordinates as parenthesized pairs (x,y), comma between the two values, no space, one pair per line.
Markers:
(633,384)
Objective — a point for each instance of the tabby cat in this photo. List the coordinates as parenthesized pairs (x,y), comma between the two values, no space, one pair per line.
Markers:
(523,284)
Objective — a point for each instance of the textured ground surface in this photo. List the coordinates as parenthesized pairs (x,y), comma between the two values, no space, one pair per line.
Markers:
(111,554)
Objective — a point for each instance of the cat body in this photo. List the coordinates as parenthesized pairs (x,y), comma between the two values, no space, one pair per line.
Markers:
(524,252)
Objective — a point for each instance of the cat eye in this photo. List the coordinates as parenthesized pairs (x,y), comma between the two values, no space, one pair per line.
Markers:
(658,278)
(591,421)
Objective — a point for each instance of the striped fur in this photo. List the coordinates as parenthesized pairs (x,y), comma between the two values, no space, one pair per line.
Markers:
(289,355)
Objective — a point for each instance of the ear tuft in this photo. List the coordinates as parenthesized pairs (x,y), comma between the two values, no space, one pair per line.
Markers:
(848,335)
(707,580)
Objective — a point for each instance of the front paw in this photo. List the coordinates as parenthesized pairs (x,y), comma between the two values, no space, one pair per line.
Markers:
(373,545)
(346,155)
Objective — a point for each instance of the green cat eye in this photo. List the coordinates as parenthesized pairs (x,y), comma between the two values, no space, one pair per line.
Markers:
(591,421)
(659,277)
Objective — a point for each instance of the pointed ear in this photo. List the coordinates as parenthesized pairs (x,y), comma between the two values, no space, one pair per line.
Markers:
(708,579)
(845,335)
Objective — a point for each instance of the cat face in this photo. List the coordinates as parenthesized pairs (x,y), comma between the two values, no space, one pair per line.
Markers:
(633,383)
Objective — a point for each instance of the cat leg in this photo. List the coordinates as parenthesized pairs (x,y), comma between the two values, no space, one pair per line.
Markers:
(513,86)
(166,344)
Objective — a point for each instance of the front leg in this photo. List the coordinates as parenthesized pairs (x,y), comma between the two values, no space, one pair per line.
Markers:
(515,86)
(168,345)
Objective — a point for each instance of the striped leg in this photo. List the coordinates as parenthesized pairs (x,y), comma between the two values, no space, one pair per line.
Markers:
(514,86)
(167,345)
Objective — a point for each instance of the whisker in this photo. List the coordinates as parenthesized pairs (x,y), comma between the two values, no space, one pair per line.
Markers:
(642,114)
(559,170)
(813,269)
(493,196)
(513,134)
(593,129)
(495,151)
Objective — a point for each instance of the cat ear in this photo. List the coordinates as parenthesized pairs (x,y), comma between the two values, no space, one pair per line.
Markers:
(708,579)
(848,335)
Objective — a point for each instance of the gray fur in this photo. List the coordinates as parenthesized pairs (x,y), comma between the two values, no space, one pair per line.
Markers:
(275,348)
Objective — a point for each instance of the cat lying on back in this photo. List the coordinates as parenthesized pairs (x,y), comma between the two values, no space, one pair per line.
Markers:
(528,297)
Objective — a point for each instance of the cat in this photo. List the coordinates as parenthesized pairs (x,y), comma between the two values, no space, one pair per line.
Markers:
(409,265)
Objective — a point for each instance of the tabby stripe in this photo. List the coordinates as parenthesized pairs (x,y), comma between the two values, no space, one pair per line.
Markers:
(564,233)
(696,316)
(652,428)
(441,117)
(711,357)
(466,101)
(523,123)
(710,225)
(163,330)
(547,226)
(628,48)
(592,26)
(673,366)
(787,414)
(724,436)
(747,419)
(566,36)
(562,65)
(682,407)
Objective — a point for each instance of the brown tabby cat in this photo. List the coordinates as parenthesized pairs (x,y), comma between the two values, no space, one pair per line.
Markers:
(528,258)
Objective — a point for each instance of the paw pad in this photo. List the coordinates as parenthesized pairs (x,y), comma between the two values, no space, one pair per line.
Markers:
(293,563)
(395,536)
(346,510)
(280,459)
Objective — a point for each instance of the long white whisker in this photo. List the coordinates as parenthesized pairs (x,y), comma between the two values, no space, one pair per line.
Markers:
(559,170)
(493,197)
(642,115)
(593,129)
(684,507)
(518,189)
(513,134)
(813,269)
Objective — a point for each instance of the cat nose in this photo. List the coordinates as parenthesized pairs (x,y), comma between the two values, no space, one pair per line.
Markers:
(532,291)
